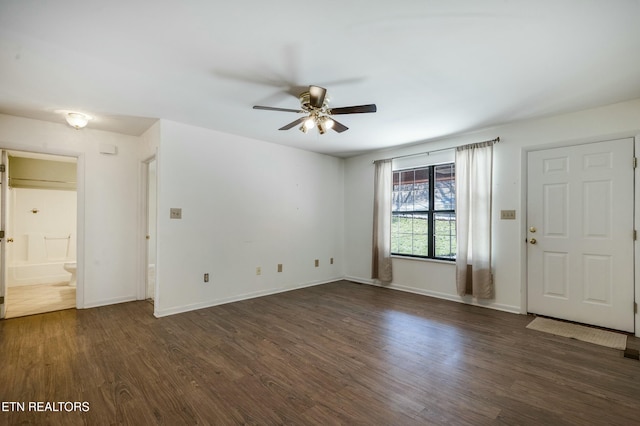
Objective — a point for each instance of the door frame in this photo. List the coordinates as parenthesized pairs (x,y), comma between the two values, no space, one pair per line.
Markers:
(636,223)
(4,196)
(80,211)
(143,227)
(524,153)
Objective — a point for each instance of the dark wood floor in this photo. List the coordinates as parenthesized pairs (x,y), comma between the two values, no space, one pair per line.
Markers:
(339,353)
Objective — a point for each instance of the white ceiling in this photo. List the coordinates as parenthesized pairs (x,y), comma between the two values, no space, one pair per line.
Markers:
(434,68)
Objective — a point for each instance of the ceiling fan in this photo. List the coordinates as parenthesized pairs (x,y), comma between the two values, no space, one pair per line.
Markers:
(314,104)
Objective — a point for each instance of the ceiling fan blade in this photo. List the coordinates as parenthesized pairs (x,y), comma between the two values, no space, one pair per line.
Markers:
(358,109)
(316,96)
(339,127)
(276,109)
(293,123)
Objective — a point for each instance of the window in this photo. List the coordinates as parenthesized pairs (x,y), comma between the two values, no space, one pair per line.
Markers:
(423,218)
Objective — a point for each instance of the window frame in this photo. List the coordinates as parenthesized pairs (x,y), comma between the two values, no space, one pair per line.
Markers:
(431,213)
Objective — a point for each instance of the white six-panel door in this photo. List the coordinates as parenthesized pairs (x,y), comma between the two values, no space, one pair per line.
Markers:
(580,233)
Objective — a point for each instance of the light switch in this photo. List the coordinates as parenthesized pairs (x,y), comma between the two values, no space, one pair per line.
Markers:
(507,214)
(175,213)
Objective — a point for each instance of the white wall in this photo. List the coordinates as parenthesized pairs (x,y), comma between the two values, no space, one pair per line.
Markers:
(438,279)
(245,204)
(107,202)
(149,142)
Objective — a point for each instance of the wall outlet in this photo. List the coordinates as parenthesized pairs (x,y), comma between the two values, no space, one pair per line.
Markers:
(508,214)
(317,262)
(279,267)
(331,261)
(175,213)
(206,278)
(258,270)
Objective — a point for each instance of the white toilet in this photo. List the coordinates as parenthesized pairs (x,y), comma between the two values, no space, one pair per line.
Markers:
(71,268)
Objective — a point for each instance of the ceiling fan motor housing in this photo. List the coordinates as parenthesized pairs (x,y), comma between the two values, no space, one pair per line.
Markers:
(305,103)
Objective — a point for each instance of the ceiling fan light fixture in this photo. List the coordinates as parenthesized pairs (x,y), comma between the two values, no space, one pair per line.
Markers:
(328,123)
(321,129)
(303,128)
(77,120)
(309,123)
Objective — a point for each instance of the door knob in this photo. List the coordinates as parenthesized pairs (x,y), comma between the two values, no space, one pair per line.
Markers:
(532,229)
(533,241)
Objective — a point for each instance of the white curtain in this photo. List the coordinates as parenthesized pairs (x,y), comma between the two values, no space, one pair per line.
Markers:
(474,171)
(381,261)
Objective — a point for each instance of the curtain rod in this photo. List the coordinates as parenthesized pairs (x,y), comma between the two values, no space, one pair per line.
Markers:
(496,140)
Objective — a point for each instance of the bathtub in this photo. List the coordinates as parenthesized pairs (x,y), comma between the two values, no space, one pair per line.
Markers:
(37,273)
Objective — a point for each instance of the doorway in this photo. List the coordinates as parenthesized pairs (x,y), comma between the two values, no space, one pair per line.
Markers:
(39,215)
(580,233)
(151,221)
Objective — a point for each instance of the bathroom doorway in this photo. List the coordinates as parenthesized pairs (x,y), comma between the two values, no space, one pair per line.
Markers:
(40,224)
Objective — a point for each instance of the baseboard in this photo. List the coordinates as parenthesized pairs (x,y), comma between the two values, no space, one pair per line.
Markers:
(439,295)
(195,306)
(112,301)
(361,281)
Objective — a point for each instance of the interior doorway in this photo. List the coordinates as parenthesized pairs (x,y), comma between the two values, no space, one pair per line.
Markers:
(151,221)
(39,219)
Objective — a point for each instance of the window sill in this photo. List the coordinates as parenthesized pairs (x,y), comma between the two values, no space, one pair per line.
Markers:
(424,259)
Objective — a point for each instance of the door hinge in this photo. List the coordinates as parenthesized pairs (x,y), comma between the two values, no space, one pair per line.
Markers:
(1,235)
(635,235)
(635,307)
(635,162)
(3,168)
(1,300)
